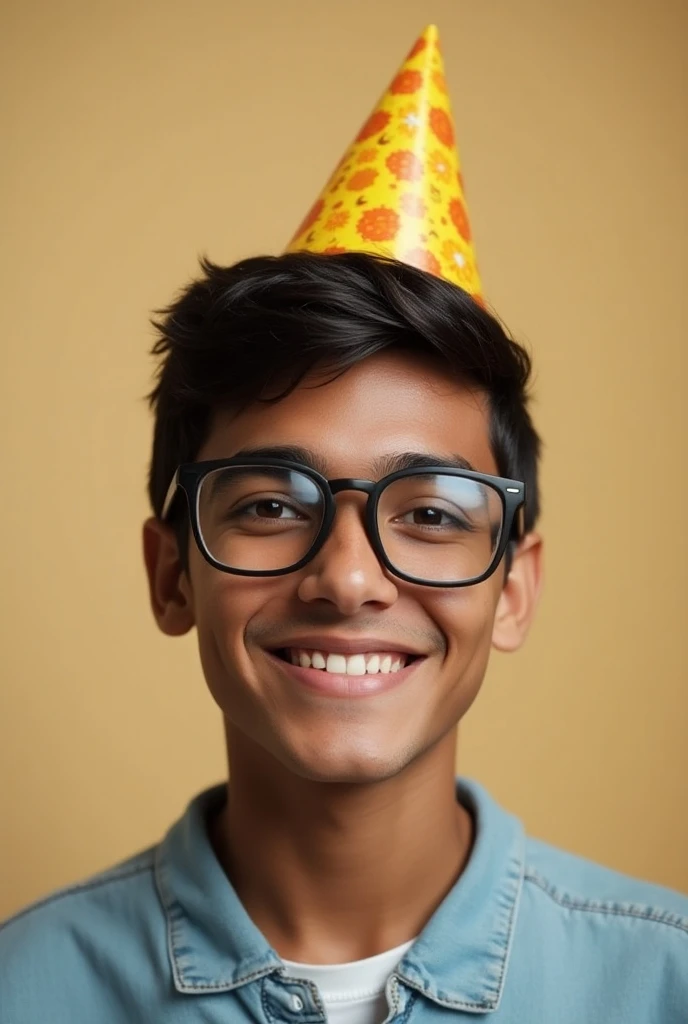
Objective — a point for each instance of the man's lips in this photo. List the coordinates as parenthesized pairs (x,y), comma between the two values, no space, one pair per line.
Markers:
(344,684)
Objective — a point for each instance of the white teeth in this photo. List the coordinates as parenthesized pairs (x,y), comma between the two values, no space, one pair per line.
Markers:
(354,665)
(336,663)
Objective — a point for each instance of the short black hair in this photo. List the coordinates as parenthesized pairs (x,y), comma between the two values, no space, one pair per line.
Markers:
(252,331)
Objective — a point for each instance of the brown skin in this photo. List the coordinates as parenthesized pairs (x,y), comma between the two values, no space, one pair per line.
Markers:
(342,834)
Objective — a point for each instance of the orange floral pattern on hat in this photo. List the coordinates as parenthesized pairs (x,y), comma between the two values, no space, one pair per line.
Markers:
(337,219)
(398,189)
(378,225)
(410,120)
(440,166)
(362,179)
(442,126)
(457,212)
(457,262)
(440,81)
(417,48)
(405,165)
(377,122)
(407,81)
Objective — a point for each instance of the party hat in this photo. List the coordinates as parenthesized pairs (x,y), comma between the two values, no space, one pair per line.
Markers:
(398,189)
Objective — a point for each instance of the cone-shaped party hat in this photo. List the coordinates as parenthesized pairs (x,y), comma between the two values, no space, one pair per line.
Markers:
(398,189)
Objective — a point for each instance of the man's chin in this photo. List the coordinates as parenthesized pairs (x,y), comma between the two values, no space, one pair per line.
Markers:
(352,768)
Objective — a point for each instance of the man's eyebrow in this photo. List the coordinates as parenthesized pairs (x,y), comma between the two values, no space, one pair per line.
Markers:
(287,452)
(418,460)
(382,466)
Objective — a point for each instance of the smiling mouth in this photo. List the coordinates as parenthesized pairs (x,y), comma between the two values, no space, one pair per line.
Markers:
(368,664)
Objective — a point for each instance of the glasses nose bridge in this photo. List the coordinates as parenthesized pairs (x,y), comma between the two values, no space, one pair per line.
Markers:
(366,487)
(351,484)
(355,484)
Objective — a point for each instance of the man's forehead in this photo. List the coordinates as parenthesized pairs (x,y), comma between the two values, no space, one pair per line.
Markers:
(384,409)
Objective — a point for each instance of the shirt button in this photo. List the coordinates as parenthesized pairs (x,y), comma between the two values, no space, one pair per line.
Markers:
(297,1003)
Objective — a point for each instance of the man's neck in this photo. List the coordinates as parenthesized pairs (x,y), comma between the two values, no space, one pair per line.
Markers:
(332,873)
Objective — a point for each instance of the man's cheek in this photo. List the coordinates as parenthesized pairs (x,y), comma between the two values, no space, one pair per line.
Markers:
(464,615)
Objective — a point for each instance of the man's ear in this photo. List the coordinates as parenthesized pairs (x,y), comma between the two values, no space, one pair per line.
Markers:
(169,586)
(520,595)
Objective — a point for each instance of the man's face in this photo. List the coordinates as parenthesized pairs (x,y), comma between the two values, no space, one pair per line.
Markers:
(389,404)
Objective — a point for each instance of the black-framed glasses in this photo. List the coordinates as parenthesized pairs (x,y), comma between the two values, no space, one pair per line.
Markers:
(434,525)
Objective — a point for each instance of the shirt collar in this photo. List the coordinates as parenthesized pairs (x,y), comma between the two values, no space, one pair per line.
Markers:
(459,960)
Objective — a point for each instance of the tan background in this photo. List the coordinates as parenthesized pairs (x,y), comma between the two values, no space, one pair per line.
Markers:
(141,134)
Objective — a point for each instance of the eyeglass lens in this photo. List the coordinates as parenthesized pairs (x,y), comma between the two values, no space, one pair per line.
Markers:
(435,527)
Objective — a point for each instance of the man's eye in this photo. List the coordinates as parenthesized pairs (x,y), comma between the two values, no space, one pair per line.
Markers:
(428,517)
(431,516)
(269,508)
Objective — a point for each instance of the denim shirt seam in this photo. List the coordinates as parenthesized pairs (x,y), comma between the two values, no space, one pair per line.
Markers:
(491,1002)
(452,1004)
(194,987)
(644,913)
(75,890)
(172,912)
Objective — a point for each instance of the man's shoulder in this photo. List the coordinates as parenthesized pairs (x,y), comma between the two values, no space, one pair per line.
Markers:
(80,952)
(590,942)
(579,886)
(62,920)
(74,937)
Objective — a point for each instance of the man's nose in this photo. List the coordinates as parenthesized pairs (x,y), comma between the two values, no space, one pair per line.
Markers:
(346,571)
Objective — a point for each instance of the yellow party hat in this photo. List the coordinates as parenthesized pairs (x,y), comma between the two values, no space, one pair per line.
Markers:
(398,189)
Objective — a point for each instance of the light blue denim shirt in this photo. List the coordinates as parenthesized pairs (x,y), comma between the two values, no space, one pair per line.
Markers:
(529,934)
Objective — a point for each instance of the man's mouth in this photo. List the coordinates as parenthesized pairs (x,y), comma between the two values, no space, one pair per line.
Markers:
(361,664)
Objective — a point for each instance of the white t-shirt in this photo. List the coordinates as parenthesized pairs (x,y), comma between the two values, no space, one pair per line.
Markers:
(352,993)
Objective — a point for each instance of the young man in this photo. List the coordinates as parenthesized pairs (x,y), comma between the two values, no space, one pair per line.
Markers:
(344,486)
